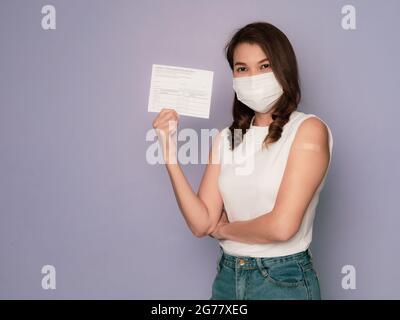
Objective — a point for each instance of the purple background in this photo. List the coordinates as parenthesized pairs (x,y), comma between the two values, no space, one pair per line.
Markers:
(76,191)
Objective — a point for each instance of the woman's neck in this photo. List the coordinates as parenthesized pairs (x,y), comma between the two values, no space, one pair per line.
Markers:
(262,119)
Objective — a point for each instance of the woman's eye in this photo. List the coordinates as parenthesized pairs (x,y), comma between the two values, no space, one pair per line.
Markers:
(240,69)
(266,64)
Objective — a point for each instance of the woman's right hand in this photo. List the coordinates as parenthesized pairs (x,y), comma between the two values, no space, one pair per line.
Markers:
(166,126)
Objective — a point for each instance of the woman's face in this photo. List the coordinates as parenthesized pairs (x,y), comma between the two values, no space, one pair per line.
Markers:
(249,60)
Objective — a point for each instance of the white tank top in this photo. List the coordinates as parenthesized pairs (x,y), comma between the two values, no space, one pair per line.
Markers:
(249,181)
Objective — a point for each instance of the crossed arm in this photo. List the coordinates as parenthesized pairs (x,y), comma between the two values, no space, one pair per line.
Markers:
(307,164)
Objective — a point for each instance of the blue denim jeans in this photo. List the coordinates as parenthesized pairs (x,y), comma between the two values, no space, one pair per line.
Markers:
(248,278)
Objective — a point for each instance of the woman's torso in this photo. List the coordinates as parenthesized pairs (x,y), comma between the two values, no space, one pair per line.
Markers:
(249,181)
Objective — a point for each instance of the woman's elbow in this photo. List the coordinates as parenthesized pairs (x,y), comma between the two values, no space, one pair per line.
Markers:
(286,232)
(205,231)
(199,233)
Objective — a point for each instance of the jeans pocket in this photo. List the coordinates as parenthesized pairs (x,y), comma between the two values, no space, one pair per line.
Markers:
(284,274)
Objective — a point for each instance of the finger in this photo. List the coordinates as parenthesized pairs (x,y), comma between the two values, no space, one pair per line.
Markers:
(163,117)
(172,112)
(168,121)
(166,111)
(159,120)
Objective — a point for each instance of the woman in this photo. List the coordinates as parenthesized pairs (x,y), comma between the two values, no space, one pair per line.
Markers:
(260,208)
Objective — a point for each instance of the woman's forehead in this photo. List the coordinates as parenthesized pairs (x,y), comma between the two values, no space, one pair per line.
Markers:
(249,53)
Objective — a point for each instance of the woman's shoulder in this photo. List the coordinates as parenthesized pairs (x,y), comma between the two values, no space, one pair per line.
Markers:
(310,119)
(311,124)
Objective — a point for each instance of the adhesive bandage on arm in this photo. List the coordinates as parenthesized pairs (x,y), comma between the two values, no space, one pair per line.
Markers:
(308,146)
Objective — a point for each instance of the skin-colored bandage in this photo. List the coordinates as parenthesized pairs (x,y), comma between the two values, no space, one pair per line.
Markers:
(308,146)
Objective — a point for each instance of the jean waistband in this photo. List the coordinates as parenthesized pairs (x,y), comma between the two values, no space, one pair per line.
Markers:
(253,262)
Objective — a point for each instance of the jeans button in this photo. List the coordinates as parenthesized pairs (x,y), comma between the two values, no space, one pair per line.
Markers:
(241,262)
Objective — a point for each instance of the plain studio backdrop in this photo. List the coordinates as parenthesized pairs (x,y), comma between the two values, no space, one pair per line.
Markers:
(77,193)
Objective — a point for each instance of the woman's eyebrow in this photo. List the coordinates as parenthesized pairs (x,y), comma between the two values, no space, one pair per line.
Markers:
(242,63)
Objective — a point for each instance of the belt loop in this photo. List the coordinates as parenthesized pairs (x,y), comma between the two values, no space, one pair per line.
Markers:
(261,267)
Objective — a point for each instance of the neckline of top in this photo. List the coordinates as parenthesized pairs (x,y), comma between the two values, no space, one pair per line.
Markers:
(266,127)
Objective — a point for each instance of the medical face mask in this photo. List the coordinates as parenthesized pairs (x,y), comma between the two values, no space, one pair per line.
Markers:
(258,92)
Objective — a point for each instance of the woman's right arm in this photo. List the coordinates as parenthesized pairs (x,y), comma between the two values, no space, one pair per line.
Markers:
(201,211)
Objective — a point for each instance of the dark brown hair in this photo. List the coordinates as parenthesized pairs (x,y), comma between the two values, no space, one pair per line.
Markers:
(283,63)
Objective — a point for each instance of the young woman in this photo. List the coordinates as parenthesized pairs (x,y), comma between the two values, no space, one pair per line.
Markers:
(261,208)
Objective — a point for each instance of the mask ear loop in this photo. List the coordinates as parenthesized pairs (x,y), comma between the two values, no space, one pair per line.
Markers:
(308,146)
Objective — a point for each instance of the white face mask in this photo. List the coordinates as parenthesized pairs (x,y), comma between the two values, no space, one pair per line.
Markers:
(258,92)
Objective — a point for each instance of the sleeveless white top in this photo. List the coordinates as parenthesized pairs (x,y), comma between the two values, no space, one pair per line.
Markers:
(249,181)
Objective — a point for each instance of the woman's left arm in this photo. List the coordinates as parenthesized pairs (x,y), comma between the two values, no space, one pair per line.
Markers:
(306,166)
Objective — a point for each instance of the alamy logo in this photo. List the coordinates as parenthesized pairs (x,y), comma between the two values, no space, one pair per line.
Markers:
(349,280)
(49,20)
(188,152)
(349,18)
(49,280)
